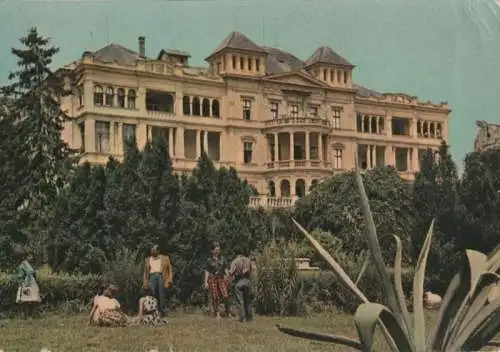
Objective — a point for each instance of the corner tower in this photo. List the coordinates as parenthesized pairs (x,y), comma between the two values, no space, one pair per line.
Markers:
(238,55)
(329,67)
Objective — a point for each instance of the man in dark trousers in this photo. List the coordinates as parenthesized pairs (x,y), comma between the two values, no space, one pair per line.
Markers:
(241,272)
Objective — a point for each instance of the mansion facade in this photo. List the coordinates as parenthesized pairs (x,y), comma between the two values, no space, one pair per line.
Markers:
(283,123)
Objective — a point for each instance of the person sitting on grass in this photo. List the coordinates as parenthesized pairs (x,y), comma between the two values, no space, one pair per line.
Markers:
(106,310)
(149,312)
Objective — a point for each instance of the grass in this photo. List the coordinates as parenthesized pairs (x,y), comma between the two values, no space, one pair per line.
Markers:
(185,333)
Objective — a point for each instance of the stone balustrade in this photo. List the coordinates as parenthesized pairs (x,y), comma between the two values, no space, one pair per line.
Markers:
(271,202)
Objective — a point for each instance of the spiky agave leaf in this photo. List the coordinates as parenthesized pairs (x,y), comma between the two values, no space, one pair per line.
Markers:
(368,315)
(398,282)
(376,253)
(344,279)
(363,268)
(342,340)
(466,306)
(418,293)
(337,268)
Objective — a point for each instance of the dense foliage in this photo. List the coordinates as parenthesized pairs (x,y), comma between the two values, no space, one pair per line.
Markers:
(95,219)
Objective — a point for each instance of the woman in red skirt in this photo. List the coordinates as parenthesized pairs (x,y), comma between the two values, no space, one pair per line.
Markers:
(216,272)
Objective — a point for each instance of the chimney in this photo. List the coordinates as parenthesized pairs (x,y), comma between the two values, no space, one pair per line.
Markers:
(142,44)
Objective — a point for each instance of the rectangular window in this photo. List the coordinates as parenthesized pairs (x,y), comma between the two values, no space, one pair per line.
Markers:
(102,136)
(294,110)
(80,95)
(81,128)
(257,65)
(337,159)
(242,63)
(249,64)
(218,67)
(336,118)
(234,61)
(247,152)
(128,133)
(247,109)
(274,110)
(313,111)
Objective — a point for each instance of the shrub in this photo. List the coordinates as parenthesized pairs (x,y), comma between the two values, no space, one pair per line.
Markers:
(125,271)
(61,291)
(276,279)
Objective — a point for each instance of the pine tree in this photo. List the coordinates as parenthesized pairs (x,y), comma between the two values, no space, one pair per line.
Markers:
(36,92)
(435,196)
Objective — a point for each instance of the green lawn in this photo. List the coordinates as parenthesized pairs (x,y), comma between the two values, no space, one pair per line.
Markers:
(185,333)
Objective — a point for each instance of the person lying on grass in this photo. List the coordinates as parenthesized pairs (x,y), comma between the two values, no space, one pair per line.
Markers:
(106,310)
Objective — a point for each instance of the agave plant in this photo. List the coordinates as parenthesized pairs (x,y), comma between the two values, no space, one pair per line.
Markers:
(469,316)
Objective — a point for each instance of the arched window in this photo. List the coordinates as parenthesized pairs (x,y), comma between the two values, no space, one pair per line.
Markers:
(205,107)
(109,96)
(215,108)
(131,95)
(98,96)
(196,106)
(121,97)
(186,105)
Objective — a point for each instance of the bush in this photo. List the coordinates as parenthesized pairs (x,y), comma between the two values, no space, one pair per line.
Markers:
(276,279)
(62,291)
(281,289)
(125,271)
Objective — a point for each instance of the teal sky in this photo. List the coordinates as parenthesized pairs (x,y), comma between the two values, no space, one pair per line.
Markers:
(436,49)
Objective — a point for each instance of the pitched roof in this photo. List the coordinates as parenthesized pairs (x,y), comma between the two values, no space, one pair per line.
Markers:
(237,41)
(174,52)
(326,55)
(117,54)
(366,92)
(279,61)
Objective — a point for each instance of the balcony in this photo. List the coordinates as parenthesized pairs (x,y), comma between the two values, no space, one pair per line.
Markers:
(271,202)
(295,121)
(299,164)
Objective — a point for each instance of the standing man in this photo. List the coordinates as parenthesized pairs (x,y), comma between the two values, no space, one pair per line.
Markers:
(158,276)
(241,271)
(216,272)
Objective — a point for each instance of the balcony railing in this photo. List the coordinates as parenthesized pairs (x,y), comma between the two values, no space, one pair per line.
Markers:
(287,120)
(271,202)
(298,164)
(157,114)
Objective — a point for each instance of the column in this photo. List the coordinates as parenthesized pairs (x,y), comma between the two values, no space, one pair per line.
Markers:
(205,142)
(89,135)
(408,159)
(178,106)
(413,127)
(374,155)
(292,142)
(179,142)
(320,147)
(150,133)
(119,143)
(276,147)
(141,135)
(388,155)
(210,100)
(308,148)
(416,162)
(368,157)
(171,142)
(112,141)
(198,144)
